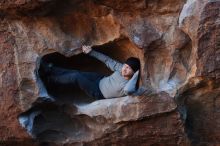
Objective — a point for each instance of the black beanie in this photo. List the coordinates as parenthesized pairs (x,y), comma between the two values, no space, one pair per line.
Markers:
(134,63)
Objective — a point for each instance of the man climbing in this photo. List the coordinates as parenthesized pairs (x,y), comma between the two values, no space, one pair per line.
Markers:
(122,82)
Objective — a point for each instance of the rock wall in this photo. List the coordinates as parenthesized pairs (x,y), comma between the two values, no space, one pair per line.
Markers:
(176,41)
(199,98)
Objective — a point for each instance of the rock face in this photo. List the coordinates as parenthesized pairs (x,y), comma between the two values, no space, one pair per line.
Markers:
(199,98)
(176,41)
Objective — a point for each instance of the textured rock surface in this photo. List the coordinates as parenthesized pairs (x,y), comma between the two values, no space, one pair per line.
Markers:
(178,46)
(199,99)
(9,95)
(199,104)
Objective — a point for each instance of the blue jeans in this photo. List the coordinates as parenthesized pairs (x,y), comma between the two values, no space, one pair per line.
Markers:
(86,81)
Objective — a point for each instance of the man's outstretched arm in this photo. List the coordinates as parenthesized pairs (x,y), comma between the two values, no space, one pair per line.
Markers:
(109,62)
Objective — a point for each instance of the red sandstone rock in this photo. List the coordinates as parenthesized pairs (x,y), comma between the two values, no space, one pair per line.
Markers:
(200,96)
(170,56)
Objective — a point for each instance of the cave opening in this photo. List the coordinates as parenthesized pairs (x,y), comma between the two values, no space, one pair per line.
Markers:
(59,121)
(67,94)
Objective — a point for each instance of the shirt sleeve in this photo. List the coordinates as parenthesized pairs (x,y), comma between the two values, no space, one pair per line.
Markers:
(130,87)
(109,62)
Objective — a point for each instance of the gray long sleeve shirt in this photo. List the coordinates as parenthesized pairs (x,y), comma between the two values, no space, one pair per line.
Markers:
(113,85)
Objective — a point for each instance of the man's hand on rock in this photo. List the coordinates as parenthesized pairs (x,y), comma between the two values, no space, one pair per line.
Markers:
(86,49)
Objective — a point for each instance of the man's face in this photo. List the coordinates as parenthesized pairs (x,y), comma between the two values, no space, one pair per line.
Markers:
(127,71)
